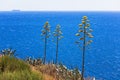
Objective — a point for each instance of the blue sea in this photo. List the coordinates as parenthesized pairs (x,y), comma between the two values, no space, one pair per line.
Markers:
(21,31)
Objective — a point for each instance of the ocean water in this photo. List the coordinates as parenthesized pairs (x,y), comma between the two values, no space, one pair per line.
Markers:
(21,31)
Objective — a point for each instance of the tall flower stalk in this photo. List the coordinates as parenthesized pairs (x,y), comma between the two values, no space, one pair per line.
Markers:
(58,36)
(84,34)
(46,34)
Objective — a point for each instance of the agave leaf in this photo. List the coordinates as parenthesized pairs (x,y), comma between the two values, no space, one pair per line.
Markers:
(81,38)
(77,34)
(88,24)
(90,41)
(86,27)
(80,31)
(60,32)
(90,30)
(90,36)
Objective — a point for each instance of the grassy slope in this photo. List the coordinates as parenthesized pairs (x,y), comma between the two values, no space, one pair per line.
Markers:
(14,69)
(45,76)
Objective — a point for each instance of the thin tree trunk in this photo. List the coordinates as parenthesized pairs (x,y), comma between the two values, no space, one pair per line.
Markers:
(57,51)
(45,48)
(83,54)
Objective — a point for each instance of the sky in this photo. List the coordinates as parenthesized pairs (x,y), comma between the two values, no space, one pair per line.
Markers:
(60,5)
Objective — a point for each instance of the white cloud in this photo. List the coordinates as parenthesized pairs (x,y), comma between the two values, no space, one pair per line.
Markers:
(77,5)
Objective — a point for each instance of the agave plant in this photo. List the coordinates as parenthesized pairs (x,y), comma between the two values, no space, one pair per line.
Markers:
(58,36)
(84,34)
(8,52)
(33,62)
(46,34)
(76,74)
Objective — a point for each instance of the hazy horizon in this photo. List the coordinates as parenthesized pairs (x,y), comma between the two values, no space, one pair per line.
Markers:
(60,5)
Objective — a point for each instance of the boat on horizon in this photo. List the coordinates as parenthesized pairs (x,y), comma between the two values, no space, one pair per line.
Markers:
(16,10)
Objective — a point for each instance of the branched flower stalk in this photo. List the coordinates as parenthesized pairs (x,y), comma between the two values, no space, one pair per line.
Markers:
(58,36)
(46,34)
(84,34)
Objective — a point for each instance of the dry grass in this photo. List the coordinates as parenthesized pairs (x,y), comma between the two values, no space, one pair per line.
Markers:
(47,71)
(53,72)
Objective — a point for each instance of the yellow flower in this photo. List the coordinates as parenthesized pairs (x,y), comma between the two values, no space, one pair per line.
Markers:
(86,26)
(83,22)
(85,17)
(47,23)
(80,24)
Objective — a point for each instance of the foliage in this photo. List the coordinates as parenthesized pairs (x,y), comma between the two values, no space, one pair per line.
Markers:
(20,75)
(58,35)
(13,64)
(84,34)
(8,52)
(65,74)
(34,62)
(15,69)
(46,34)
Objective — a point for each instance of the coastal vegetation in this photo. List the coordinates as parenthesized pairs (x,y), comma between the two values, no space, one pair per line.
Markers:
(84,35)
(13,68)
(45,33)
(58,35)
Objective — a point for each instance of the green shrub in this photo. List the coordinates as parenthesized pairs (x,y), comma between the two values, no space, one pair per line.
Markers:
(14,69)
(13,64)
